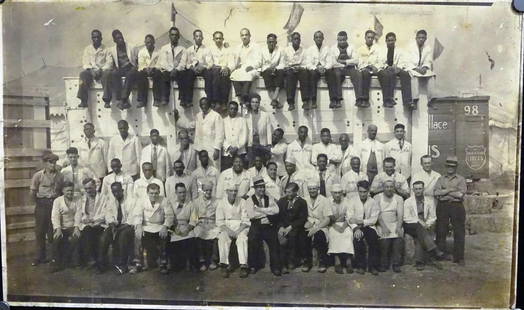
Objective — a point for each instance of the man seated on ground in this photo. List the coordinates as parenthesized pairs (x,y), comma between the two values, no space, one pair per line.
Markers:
(400,185)
(340,235)
(318,218)
(153,216)
(140,185)
(419,219)
(390,227)
(292,236)
(65,233)
(233,220)
(118,216)
(236,175)
(96,65)
(362,218)
(182,248)
(351,178)
(90,206)
(261,209)
(206,230)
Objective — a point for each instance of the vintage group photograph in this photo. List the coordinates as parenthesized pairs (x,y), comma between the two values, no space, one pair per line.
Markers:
(201,153)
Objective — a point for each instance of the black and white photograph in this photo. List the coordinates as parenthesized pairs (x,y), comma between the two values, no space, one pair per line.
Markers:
(212,154)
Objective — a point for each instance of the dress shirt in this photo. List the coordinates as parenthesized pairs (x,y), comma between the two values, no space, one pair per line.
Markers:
(243,57)
(110,210)
(170,58)
(124,179)
(294,58)
(398,58)
(232,215)
(77,175)
(316,56)
(278,152)
(263,125)
(221,57)
(419,57)
(242,180)
(96,58)
(128,151)
(147,60)
(64,212)
(411,211)
(235,134)
(270,59)
(93,154)
(270,209)
(456,183)
(172,181)
(367,56)
(153,215)
(301,156)
(209,131)
(334,53)
(332,151)
(197,55)
(47,184)
(88,209)
(163,160)
(402,155)
(366,148)
(367,212)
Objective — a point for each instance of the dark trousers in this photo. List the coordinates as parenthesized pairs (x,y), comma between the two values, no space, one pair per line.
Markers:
(165,85)
(423,240)
(273,78)
(43,226)
(122,241)
(256,256)
(294,250)
(319,243)
(217,86)
(182,252)
(65,248)
(122,92)
(365,83)
(155,248)
(143,85)
(89,243)
(373,253)
(455,213)
(391,246)
(242,89)
(313,76)
(292,77)
(336,76)
(387,78)
(86,81)
(207,251)
(186,84)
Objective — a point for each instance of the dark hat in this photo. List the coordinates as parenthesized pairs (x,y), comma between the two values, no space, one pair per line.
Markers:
(452,161)
(258,181)
(49,157)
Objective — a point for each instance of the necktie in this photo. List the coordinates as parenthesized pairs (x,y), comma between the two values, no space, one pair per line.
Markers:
(89,143)
(391,52)
(119,214)
(401,143)
(179,206)
(419,56)
(154,158)
(322,184)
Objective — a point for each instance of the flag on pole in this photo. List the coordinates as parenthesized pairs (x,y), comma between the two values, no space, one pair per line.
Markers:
(438,48)
(378,28)
(294,17)
(173,13)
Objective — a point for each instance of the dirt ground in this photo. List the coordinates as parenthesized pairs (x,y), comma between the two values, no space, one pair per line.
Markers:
(483,282)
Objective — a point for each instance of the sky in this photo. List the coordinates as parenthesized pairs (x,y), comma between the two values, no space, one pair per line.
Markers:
(54,34)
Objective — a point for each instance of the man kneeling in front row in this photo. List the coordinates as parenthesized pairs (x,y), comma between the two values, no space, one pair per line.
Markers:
(419,218)
(153,217)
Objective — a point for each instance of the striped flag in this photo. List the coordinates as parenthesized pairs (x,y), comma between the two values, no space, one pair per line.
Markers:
(294,17)
(173,13)
(378,28)
(438,48)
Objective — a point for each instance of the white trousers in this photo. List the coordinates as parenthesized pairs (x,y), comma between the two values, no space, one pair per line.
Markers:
(224,244)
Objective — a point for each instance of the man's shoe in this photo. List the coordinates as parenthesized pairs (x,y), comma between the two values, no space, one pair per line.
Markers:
(360,271)
(305,106)
(306,268)
(338,104)
(252,270)
(291,107)
(374,271)
(276,273)
(107,105)
(332,104)
(292,266)
(164,270)
(349,268)
(322,269)
(83,104)
(203,268)
(419,266)
(285,270)
(338,269)
(438,254)
(244,271)
(213,266)
(125,104)
(396,269)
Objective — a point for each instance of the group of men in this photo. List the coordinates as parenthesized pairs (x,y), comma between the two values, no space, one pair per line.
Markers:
(240,183)
(281,68)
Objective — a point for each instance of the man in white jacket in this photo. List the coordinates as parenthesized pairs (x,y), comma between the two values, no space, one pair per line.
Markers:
(209,131)
(127,148)
(157,155)
(235,136)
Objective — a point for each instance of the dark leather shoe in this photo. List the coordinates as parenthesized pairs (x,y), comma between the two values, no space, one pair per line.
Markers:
(306,268)
(349,269)
(339,269)
(252,270)
(277,273)
(374,272)
(225,272)
(396,269)
(244,272)
(285,270)
(419,266)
